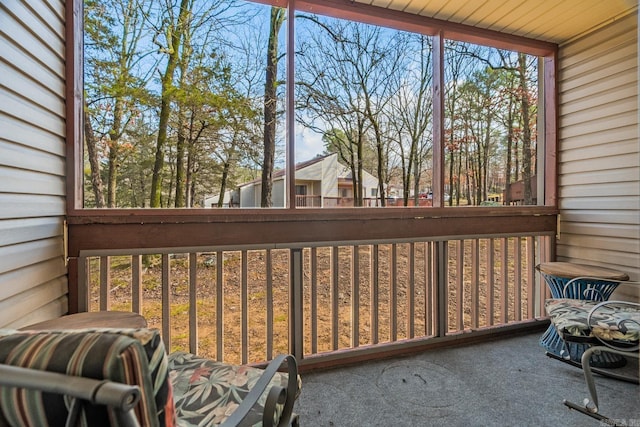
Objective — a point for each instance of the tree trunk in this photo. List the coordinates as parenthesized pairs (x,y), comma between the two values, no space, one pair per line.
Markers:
(270,106)
(165,103)
(114,140)
(94,162)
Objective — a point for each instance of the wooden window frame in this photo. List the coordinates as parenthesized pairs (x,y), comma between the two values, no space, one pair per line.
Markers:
(343,9)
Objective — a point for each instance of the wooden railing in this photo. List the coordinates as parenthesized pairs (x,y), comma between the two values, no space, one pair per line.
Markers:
(325,300)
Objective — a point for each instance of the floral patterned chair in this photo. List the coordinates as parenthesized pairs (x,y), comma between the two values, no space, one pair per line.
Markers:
(106,377)
(608,327)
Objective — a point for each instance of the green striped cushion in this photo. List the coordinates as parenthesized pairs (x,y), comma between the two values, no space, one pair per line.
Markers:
(130,356)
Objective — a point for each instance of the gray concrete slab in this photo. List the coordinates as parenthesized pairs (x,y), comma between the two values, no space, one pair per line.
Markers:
(507,382)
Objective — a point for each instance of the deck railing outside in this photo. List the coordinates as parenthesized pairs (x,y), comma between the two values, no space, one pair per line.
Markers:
(246,304)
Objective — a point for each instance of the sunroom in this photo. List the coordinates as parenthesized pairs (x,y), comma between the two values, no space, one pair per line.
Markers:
(332,286)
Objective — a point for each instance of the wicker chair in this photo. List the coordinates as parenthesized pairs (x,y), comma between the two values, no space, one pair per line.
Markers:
(106,377)
(608,327)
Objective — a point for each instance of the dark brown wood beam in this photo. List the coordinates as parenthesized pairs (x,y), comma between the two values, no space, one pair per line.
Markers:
(278,228)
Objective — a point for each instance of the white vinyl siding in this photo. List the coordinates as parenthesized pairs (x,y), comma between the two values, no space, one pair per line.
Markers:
(598,158)
(33,281)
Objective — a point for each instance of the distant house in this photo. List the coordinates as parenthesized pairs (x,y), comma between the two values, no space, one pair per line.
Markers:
(320,182)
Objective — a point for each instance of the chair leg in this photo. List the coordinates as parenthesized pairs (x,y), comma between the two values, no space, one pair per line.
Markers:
(588,377)
(590,406)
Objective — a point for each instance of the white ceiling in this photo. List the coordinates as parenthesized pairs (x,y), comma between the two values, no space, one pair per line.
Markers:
(556,21)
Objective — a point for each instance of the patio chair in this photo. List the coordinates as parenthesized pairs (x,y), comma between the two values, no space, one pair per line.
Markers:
(123,377)
(611,327)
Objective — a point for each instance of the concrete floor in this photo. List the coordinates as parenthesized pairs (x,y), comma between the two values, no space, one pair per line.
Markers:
(509,382)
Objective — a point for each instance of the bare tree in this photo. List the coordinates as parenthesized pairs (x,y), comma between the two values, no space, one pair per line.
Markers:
(410,113)
(270,104)
(115,88)
(345,84)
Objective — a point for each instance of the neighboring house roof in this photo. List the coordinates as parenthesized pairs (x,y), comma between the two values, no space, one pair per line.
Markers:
(279,174)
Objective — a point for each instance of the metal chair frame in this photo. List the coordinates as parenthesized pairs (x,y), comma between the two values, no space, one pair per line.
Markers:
(598,346)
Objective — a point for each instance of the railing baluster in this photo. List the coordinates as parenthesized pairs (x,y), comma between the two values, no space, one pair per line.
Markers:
(269,266)
(84,284)
(490,281)
(429,294)
(334,297)
(193,302)
(219,306)
(460,285)
(517,278)
(136,283)
(314,299)
(105,281)
(475,283)
(411,312)
(374,294)
(296,329)
(531,293)
(244,309)
(355,296)
(166,302)
(442,288)
(393,294)
(505,280)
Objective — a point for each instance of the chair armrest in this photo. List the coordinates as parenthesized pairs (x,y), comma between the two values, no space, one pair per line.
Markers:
(276,396)
(120,397)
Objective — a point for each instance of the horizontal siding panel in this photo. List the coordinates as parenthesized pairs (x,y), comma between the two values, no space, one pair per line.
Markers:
(602,112)
(22,109)
(41,29)
(37,70)
(21,255)
(603,217)
(622,261)
(591,151)
(596,165)
(580,53)
(52,310)
(606,243)
(31,136)
(600,138)
(622,175)
(580,100)
(29,182)
(609,63)
(29,229)
(618,202)
(602,190)
(22,157)
(30,89)
(32,300)
(16,34)
(18,281)
(606,81)
(599,124)
(613,230)
(51,14)
(30,205)
(57,6)
(601,79)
